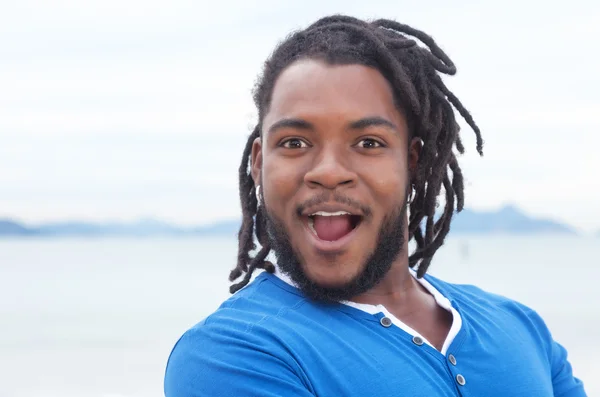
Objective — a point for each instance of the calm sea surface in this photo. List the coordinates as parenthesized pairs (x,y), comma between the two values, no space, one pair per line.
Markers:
(97,318)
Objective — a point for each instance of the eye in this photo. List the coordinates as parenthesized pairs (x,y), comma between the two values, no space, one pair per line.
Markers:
(370,143)
(294,143)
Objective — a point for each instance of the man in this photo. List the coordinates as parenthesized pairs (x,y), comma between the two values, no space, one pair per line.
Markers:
(353,148)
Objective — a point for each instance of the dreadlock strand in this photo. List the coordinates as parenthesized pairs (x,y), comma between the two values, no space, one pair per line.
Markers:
(413,259)
(459,145)
(416,215)
(429,231)
(261,234)
(258,259)
(398,44)
(421,81)
(457,183)
(248,204)
(462,110)
(448,208)
(423,266)
(443,63)
(442,226)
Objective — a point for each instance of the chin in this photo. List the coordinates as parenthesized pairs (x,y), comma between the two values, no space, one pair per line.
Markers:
(332,272)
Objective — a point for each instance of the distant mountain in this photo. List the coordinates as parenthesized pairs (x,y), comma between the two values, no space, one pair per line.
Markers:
(224,228)
(145,227)
(11,228)
(507,220)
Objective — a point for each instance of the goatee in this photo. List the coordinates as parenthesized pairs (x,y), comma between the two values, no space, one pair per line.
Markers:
(389,244)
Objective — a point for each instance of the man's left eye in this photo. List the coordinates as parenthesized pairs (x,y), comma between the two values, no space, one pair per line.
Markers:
(369,144)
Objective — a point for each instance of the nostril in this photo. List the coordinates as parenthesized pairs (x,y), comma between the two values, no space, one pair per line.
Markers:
(329,175)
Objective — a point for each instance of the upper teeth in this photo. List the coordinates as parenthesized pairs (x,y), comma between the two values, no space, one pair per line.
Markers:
(338,213)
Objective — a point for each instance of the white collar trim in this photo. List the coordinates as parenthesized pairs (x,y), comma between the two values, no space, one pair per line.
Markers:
(440,299)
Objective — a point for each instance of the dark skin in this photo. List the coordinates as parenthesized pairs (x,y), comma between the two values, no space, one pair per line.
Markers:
(336,129)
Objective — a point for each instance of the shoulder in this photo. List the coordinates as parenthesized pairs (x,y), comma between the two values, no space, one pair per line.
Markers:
(474,296)
(476,302)
(249,314)
(242,337)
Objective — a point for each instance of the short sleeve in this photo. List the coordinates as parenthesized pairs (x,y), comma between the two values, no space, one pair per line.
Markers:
(564,383)
(206,362)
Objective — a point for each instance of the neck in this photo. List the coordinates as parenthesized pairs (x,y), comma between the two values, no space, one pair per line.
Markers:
(395,289)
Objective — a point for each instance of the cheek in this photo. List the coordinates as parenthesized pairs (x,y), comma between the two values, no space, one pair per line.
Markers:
(281,181)
(386,182)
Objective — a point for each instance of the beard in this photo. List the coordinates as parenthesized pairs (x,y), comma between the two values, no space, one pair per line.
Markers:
(389,244)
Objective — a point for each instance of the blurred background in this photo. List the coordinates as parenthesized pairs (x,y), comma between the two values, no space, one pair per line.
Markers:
(122,125)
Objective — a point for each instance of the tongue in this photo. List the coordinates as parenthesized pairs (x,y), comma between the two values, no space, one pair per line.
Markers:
(332,228)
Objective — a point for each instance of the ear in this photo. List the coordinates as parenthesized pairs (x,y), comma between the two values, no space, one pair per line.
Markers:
(256,161)
(414,151)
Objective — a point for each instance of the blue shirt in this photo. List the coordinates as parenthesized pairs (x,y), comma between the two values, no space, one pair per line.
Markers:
(270,340)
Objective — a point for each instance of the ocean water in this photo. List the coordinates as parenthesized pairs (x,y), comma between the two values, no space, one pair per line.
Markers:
(98,318)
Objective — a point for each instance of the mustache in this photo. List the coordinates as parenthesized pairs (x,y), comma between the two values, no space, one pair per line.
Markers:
(333,197)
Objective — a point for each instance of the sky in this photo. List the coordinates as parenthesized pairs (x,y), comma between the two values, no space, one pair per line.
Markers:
(119,110)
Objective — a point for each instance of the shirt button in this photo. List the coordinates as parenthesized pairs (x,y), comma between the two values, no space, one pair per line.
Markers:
(417,340)
(452,359)
(385,321)
(461,379)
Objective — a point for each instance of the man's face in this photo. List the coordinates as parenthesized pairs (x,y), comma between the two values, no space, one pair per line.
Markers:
(333,168)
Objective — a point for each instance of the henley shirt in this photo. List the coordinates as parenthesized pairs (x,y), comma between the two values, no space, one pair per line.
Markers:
(268,339)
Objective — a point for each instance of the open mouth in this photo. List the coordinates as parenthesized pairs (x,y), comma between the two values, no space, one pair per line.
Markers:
(332,226)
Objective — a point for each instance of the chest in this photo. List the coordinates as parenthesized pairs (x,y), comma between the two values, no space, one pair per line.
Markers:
(483,360)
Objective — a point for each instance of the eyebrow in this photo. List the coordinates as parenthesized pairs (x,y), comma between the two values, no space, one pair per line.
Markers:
(361,124)
(373,122)
(290,123)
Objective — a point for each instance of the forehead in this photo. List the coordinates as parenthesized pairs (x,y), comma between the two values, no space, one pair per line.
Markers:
(313,88)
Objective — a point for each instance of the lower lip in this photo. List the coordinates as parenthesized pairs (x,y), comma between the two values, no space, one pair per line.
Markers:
(330,247)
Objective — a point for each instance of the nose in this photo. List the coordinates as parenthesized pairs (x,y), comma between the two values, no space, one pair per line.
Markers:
(330,170)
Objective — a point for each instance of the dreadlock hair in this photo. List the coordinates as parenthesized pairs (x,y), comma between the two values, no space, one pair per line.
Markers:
(413,72)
